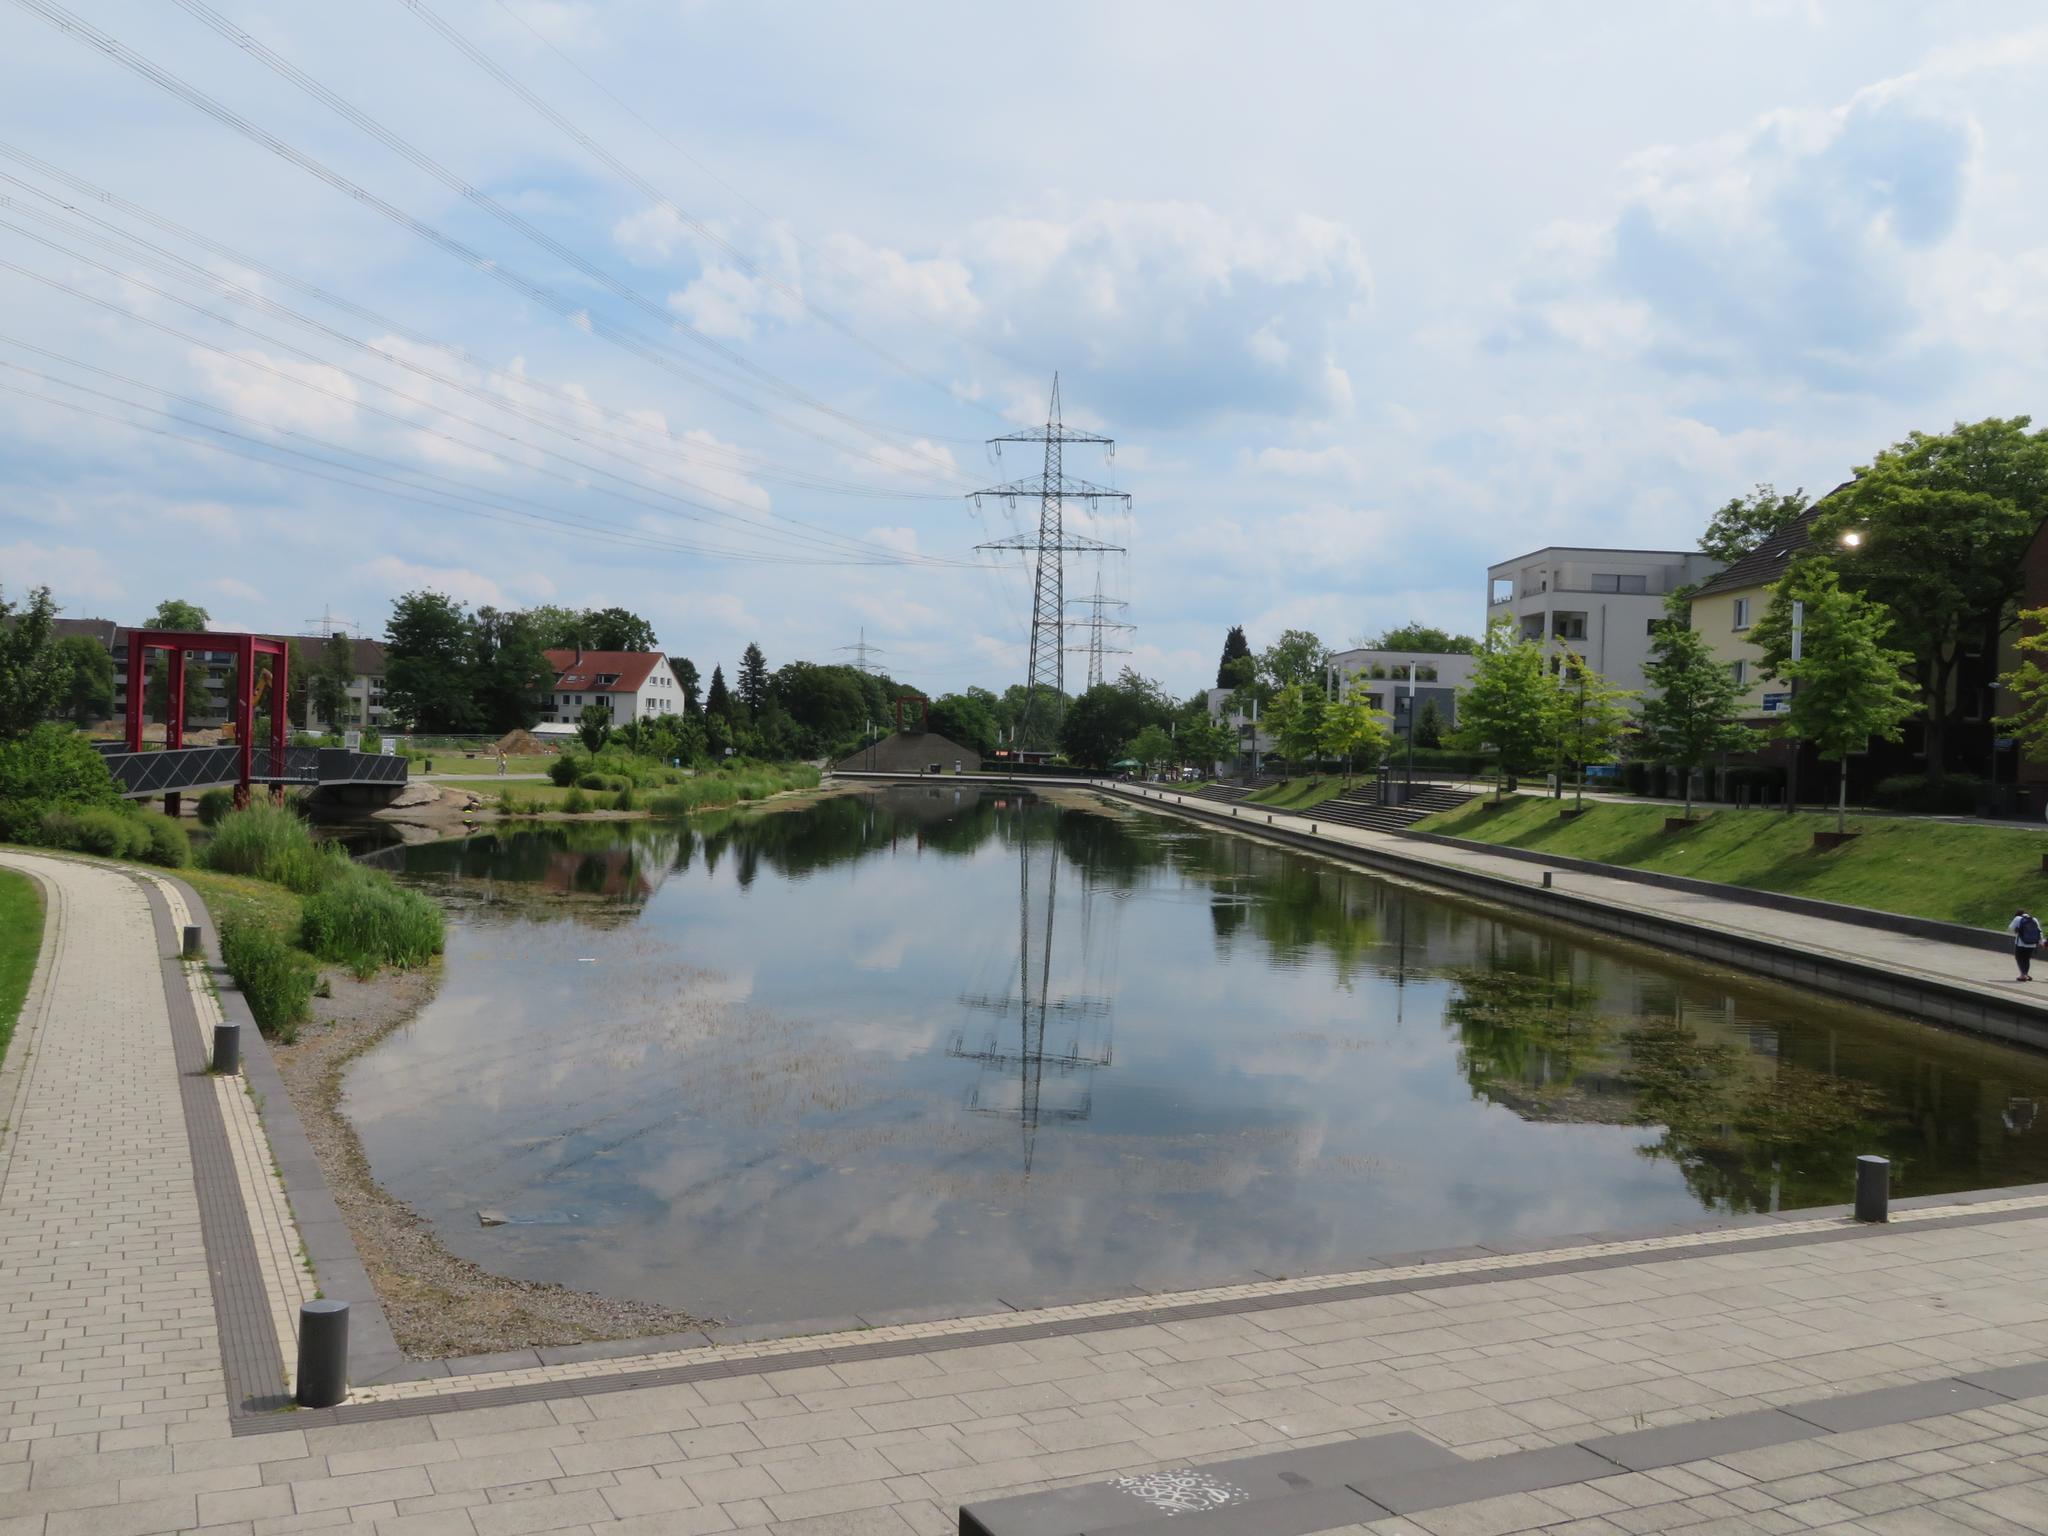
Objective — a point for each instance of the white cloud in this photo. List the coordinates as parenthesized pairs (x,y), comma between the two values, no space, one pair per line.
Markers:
(229,586)
(1333,463)
(310,396)
(396,576)
(70,571)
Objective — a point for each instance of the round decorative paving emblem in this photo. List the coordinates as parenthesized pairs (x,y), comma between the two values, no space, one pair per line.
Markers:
(1184,1491)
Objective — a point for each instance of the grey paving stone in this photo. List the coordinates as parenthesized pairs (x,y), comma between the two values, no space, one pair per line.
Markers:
(1299,1514)
(1646,1449)
(1419,1488)
(2029,1380)
(1345,1461)
(1895,1405)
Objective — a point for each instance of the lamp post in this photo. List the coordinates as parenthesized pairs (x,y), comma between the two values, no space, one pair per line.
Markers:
(1798,645)
(1410,795)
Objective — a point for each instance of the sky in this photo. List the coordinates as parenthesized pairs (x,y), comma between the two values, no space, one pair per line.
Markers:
(708,309)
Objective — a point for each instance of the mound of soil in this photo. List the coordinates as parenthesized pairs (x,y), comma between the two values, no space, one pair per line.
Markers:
(521,744)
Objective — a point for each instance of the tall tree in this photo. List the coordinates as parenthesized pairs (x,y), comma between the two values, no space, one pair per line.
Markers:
(1351,727)
(966,718)
(718,702)
(2027,686)
(1744,522)
(1848,686)
(32,678)
(1204,743)
(686,679)
(752,686)
(617,629)
(1425,638)
(429,654)
(176,613)
(1152,747)
(1235,648)
(88,674)
(1935,531)
(1295,717)
(332,677)
(1298,656)
(1692,712)
(1509,705)
(1593,718)
(511,672)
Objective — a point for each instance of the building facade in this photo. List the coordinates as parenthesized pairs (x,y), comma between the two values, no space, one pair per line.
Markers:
(1605,604)
(633,685)
(1724,610)
(206,676)
(1438,677)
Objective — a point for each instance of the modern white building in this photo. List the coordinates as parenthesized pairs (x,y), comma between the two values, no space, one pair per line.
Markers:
(634,685)
(1438,677)
(1252,743)
(1605,604)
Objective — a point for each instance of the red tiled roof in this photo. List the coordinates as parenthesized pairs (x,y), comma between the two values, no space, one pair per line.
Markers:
(632,669)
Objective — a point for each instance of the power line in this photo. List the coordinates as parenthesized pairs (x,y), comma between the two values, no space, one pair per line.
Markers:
(653,352)
(654,194)
(1039,720)
(861,651)
(756,466)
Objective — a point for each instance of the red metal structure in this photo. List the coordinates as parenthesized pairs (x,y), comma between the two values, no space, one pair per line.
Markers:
(920,706)
(245,649)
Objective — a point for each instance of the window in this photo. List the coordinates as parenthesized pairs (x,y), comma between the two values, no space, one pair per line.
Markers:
(1502,589)
(1742,613)
(1618,583)
(1568,626)
(1739,670)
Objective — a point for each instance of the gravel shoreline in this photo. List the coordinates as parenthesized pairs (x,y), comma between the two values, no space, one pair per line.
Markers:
(439,1304)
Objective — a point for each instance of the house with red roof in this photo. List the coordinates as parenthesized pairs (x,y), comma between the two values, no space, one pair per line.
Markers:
(634,685)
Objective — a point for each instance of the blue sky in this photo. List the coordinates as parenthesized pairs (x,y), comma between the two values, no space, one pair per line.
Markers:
(1369,296)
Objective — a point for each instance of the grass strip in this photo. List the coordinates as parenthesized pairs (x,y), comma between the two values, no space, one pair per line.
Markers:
(1976,873)
(21,940)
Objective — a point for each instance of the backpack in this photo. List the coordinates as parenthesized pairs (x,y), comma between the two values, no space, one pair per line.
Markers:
(2030,933)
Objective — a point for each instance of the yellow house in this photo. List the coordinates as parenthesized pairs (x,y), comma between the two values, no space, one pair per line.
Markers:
(1724,610)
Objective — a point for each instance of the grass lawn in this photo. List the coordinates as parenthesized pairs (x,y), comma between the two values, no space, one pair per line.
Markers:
(21,938)
(528,792)
(1958,872)
(483,763)
(1300,794)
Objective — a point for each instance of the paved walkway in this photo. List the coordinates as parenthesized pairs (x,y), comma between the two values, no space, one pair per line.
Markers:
(1987,970)
(113,1417)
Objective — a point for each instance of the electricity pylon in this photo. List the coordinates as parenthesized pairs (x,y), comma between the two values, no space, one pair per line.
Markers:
(1038,724)
(861,651)
(1098,625)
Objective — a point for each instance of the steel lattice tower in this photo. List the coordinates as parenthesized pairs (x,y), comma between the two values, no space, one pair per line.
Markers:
(1045,675)
(1098,625)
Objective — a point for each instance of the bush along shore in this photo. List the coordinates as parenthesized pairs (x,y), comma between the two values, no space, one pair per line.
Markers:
(615,781)
(293,902)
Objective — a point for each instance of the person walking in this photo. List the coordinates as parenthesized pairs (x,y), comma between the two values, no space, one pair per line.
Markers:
(2026,938)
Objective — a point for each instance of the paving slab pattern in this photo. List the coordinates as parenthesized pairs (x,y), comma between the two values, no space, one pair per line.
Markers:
(114,1417)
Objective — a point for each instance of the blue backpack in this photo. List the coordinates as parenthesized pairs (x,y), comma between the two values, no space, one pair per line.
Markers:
(2029,933)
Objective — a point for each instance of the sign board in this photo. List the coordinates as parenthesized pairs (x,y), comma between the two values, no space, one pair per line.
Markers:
(1777,703)
(352,740)
(391,746)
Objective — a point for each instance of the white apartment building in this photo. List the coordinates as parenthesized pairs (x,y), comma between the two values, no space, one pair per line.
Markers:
(634,685)
(1438,677)
(1604,603)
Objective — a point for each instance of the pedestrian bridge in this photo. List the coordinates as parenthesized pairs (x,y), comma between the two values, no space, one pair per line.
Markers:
(180,769)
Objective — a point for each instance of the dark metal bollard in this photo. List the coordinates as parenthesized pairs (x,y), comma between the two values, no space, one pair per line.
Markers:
(191,950)
(323,1354)
(227,1049)
(1546,879)
(1873,1188)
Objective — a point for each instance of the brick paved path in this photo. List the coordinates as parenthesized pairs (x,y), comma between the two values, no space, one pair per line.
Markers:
(113,1419)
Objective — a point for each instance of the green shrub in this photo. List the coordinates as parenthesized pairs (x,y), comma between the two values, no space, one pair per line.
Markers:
(575,803)
(269,843)
(623,800)
(593,781)
(565,770)
(275,978)
(98,829)
(363,919)
(1955,795)
(215,806)
(169,844)
(48,768)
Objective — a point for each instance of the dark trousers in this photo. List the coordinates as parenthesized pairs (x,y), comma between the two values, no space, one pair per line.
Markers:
(2025,957)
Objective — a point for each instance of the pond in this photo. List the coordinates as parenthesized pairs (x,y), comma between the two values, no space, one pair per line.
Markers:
(935,1046)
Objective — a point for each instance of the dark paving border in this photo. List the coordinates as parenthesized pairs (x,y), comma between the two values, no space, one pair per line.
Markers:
(338,1267)
(249,1358)
(458,1398)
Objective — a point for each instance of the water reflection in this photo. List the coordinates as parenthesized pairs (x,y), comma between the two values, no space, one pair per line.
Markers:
(935,1046)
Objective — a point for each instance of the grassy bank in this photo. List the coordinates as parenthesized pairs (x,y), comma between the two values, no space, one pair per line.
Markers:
(1300,794)
(21,939)
(1957,872)
(703,791)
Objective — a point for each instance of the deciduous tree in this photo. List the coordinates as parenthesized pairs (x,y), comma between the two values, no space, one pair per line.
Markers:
(1426,638)
(175,613)
(32,678)
(1744,522)
(1509,705)
(1692,711)
(1152,747)
(1298,656)
(1352,727)
(1935,531)
(88,677)
(594,727)
(428,647)
(687,679)
(1594,718)
(1849,687)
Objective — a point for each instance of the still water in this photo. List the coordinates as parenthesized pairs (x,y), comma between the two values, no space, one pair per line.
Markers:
(934,1046)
